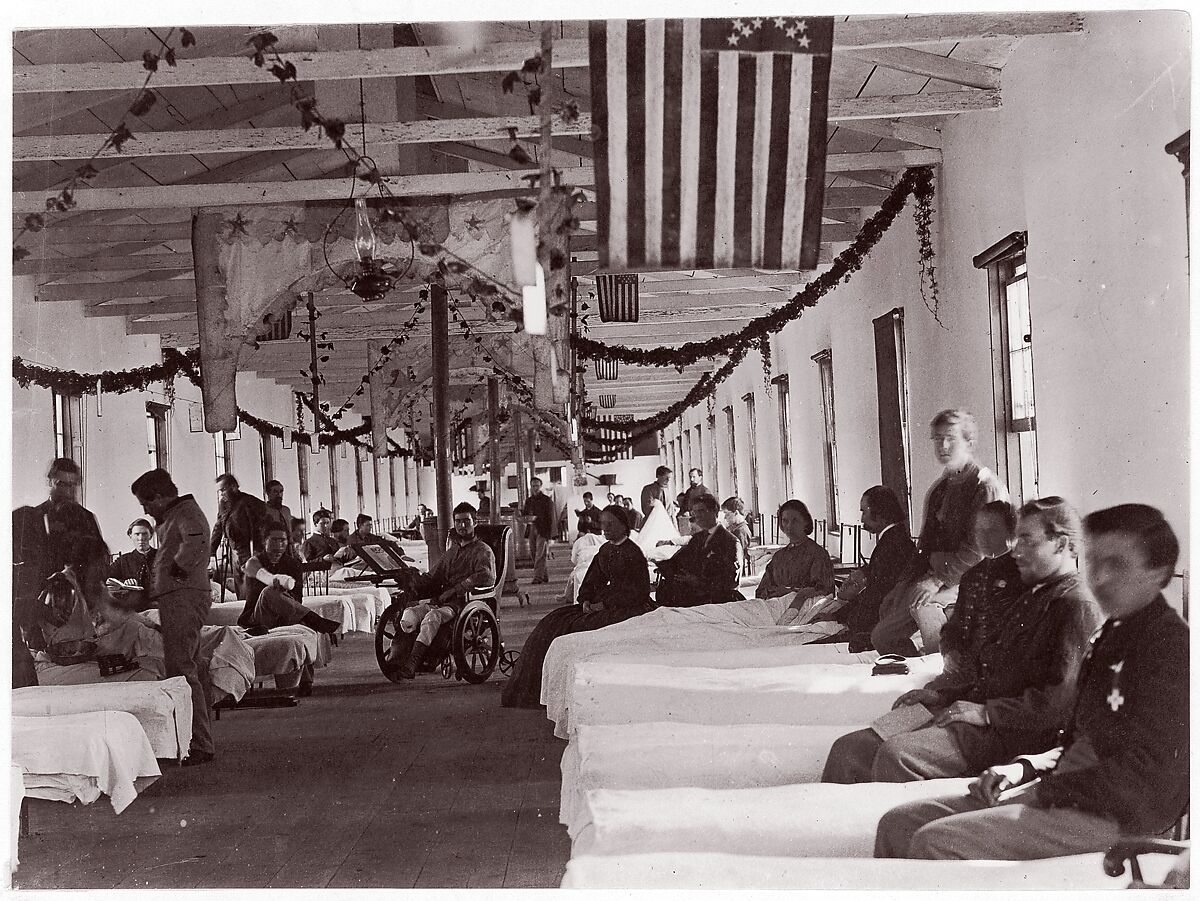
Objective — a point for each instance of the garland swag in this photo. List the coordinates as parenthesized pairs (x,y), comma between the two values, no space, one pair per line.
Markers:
(917,182)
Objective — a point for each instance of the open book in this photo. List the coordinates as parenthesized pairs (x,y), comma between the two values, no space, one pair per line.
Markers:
(118,585)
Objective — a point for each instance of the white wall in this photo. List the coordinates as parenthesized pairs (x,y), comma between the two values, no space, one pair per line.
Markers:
(58,334)
(1075,158)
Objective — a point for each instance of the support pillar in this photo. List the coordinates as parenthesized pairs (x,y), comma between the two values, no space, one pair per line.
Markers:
(494,468)
(440,338)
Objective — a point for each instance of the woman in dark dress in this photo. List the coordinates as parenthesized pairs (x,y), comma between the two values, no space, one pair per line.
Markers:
(616,587)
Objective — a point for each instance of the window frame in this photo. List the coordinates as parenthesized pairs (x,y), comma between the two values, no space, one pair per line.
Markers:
(266,459)
(781,385)
(731,434)
(824,361)
(158,428)
(1006,264)
(754,502)
(70,433)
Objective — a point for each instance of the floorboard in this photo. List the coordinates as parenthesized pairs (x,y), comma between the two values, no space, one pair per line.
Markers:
(366,784)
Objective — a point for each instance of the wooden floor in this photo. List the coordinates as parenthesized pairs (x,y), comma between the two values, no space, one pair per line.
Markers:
(425,784)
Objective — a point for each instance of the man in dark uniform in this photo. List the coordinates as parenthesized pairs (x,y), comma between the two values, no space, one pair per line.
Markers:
(589,516)
(541,507)
(1121,763)
(240,519)
(137,566)
(706,570)
(58,534)
(696,487)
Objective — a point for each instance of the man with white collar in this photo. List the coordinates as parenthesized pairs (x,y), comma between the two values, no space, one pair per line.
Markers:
(706,570)
(1121,764)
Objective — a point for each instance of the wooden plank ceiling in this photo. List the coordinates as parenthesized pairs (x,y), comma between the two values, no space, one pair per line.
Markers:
(222,131)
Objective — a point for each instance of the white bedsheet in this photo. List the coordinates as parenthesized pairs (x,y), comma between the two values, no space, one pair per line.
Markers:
(337,608)
(670,755)
(288,649)
(668,630)
(16,794)
(367,601)
(734,871)
(106,750)
(164,708)
(617,691)
(815,820)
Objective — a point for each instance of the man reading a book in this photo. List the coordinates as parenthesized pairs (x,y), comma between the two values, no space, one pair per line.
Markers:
(133,568)
(1006,692)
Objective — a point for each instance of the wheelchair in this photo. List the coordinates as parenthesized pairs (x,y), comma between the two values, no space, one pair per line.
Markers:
(469,648)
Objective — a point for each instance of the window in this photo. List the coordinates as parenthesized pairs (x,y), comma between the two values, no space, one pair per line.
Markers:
(714,470)
(752,453)
(891,386)
(731,433)
(266,459)
(698,460)
(334,500)
(784,407)
(688,458)
(302,455)
(68,426)
(1012,366)
(824,361)
(358,477)
(157,435)
(220,453)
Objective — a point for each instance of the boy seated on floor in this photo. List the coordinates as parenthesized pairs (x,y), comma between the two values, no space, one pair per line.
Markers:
(1121,763)
(274,588)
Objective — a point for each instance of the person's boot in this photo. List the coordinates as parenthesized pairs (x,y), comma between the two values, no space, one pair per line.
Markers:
(409,670)
(319,623)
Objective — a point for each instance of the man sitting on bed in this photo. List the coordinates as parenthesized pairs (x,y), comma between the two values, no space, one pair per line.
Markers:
(467,563)
(1013,658)
(884,518)
(1121,765)
(705,571)
(274,587)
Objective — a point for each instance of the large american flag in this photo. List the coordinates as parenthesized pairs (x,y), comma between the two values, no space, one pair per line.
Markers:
(710,145)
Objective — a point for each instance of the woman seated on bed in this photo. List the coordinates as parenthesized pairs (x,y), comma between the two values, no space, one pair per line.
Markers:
(803,566)
(616,587)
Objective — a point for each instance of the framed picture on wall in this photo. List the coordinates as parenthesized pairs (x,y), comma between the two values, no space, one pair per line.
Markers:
(195,418)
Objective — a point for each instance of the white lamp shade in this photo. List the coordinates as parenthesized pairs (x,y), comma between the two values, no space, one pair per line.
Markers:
(534,301)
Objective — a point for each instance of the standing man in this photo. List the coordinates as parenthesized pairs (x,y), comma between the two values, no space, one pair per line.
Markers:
(915,610)
(277,511)
(320,546)
(485,502)
(240,518)
(657,491)
(179,586)
(589,516)
(1121,765)
(695,487)
(541,507)
(58,534)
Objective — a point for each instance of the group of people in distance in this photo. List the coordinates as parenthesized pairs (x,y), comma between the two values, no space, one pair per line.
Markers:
(1064,690)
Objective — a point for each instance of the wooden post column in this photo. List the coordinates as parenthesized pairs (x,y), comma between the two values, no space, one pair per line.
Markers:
(494,466)
(218,349)
(439,310)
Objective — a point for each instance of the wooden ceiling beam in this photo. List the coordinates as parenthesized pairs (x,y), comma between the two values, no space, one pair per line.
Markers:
(102,291)
(896,130)
(401,62)
(931,65)
(109,234)
(57,267)
(235,194)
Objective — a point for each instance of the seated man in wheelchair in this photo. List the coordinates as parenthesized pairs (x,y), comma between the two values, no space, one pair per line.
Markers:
(468,563)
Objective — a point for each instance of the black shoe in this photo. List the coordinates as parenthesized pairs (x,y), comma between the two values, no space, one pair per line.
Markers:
(413,663)
(255,631)
(197,758)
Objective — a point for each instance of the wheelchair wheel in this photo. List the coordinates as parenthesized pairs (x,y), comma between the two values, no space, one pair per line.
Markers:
(476,645)
(508,661)
(386,630)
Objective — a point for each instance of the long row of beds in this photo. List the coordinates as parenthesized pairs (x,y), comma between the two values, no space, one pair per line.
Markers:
(701,769)
(79,734)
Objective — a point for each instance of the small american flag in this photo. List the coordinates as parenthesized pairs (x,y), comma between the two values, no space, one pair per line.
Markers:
(608,401)
(711,141)
(279,330)
(606,370)
(618,297)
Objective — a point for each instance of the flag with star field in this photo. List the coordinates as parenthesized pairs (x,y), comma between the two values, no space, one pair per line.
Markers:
(710,141)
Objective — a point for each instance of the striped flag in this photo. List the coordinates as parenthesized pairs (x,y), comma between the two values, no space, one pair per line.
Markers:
(710,147)
(618,297)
